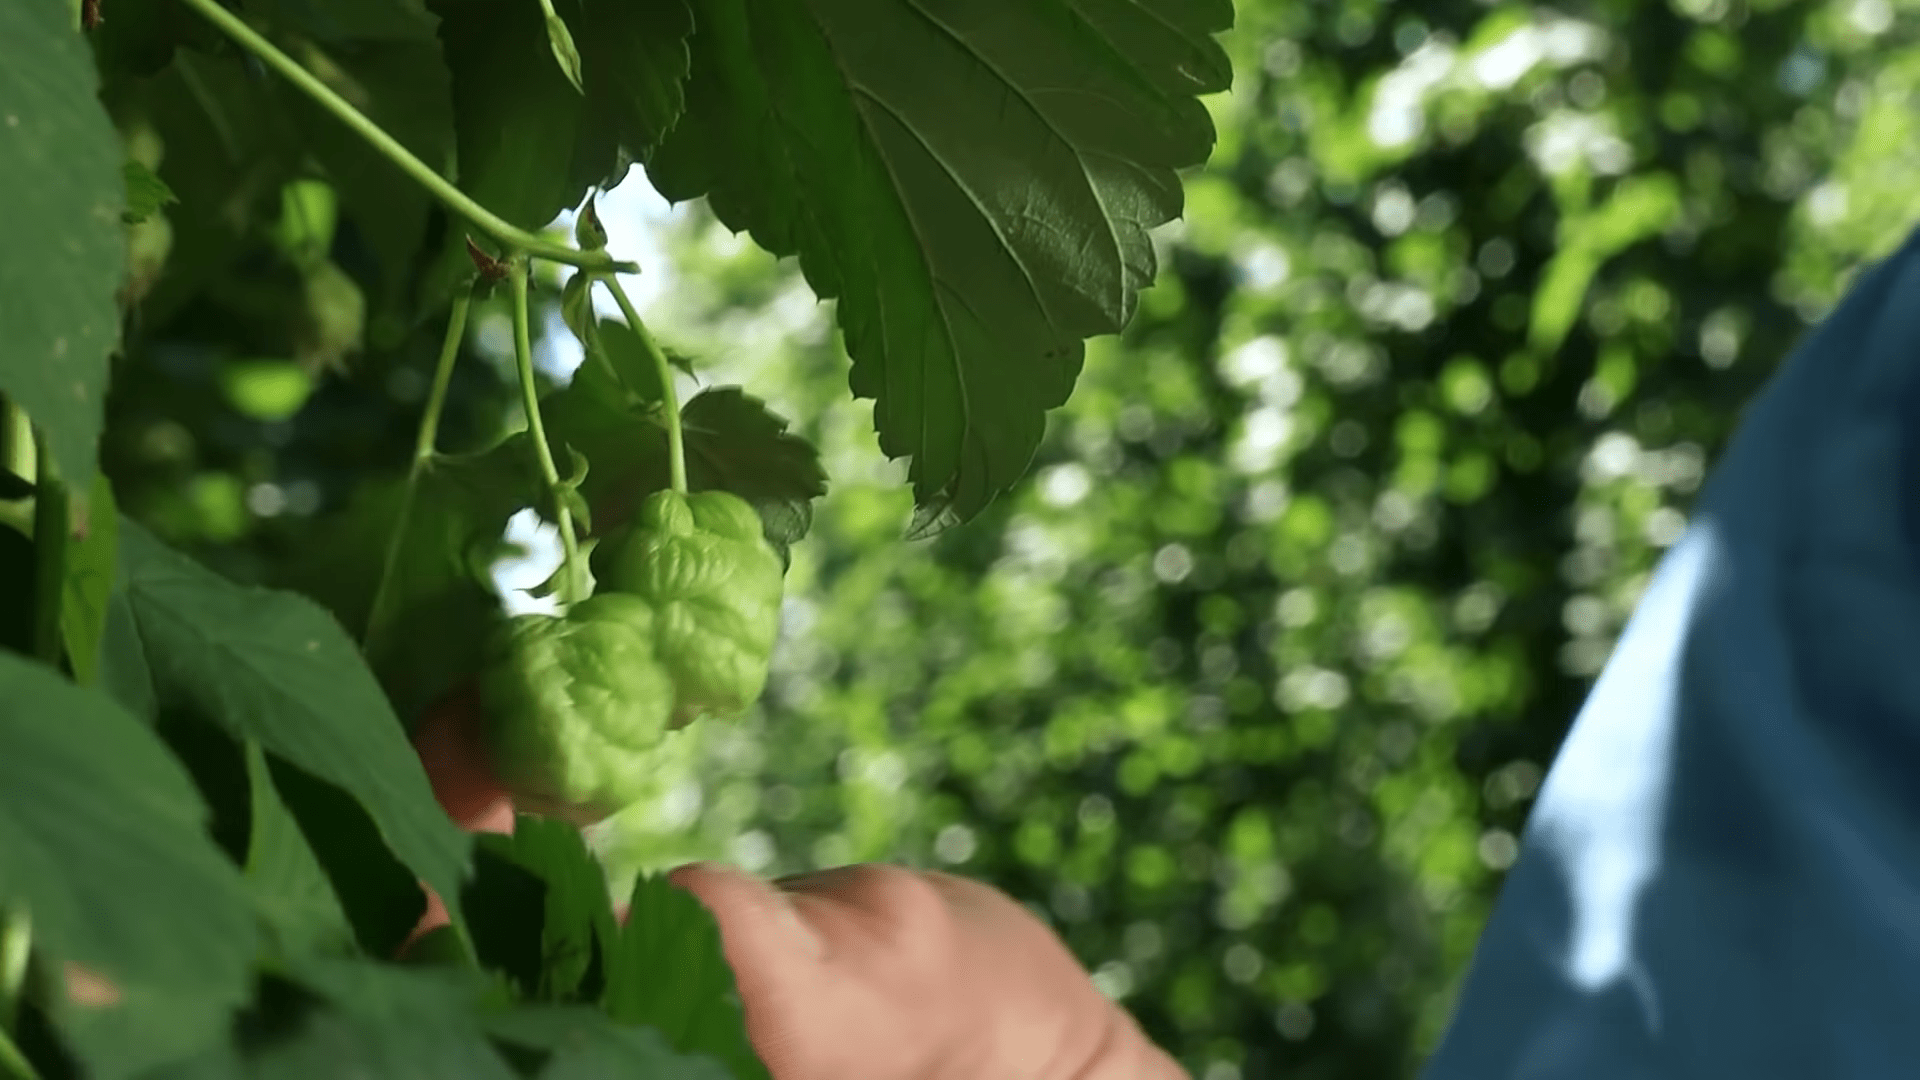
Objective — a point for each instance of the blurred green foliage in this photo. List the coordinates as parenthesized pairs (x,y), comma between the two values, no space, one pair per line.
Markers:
(1249,687)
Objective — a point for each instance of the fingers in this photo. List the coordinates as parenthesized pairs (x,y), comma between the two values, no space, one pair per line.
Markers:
(774,955)
(450,748)
(751,912)
(449,743)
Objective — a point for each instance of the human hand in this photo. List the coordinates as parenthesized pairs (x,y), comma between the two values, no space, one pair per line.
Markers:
(874,972)
(887,973)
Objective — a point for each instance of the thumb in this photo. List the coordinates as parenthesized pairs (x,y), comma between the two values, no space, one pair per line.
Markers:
(774,955)
(757,921)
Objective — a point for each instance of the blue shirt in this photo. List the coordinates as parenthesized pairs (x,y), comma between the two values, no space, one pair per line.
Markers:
(1721,877)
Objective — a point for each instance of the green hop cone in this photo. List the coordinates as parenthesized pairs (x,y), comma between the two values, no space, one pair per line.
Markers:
(703,567)
(576,708)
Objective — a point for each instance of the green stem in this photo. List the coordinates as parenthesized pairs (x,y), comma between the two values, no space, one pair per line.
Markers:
(14,1064)
(676,442)
(16,940)
(508,235)
(543,453)
(377,615)
(51,525)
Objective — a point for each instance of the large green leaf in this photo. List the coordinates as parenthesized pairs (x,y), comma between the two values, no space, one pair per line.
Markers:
(61,197)
(103,839)
(974,180)
(698,1010)
(273,667)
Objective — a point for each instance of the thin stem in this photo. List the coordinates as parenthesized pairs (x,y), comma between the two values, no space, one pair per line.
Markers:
(442,375)
(50,527)
(456,200)
(543,453)
(676,442)
(14,1064)
(16,940)
(377,615)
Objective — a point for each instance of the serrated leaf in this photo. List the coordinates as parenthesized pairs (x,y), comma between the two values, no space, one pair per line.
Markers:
(380,898)
(88,586)
(92,809)
(560,39)
(698,1010)
(733,441)
(146,193)
(585,1045)
(576,915)
(60,167)
(636,65)
(275,667)
(973,182)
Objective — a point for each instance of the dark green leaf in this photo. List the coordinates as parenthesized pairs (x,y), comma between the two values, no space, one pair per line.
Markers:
(584,1045)
(295,898)
(734,443)
(16,591)
(380,898)
(379,1020)
(273,666)
(505,907)
(976,220)
(636,64)
(146,193)
(577,914)
(92,810)
(357,21)
(60,165)
(515,117)
(698,1010)
(218,765)
(14,486)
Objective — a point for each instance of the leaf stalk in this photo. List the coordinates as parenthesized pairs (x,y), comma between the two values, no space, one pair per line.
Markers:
(507,234)
(543,453)
(676,441)
(423,453)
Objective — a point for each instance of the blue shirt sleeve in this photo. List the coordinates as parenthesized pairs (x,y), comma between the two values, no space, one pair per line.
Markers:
(1721,877)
